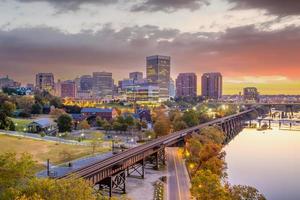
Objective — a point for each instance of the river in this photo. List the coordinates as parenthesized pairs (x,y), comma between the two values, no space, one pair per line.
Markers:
(268,161)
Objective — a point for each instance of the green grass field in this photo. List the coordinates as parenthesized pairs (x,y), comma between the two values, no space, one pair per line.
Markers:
(43,150)
(21,123)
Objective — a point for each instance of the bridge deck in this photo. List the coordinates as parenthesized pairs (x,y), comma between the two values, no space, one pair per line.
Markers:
(90,169)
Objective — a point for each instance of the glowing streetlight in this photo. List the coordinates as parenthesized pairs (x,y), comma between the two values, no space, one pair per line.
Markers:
(187,154)
(192,166)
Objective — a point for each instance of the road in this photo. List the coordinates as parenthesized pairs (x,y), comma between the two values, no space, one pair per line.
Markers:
(178,181)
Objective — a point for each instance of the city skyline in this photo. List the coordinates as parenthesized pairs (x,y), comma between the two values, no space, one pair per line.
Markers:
(252,43)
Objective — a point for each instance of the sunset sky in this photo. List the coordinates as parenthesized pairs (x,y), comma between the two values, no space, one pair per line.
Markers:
(251,42)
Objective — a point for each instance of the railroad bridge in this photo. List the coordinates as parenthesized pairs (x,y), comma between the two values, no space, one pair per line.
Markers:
(110,174)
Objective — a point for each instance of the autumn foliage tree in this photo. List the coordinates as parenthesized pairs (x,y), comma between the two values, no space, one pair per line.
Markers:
(208,169)
(162,125)
(17,181)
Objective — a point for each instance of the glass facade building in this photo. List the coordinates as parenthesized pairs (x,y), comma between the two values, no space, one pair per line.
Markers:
(102,84)
(158,73)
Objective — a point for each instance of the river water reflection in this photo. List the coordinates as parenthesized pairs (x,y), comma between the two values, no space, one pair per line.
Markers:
(269,161)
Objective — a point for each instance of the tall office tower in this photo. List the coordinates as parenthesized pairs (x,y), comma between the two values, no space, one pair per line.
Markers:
(186,85)
(86,83)
(251,94)
(136,76)
(68,89)
(158,72)
(77,83)
(172,90)
(45,81)
(57,88)
(212,85)
(102,84)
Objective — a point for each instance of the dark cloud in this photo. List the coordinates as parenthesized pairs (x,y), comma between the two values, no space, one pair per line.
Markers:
(169,5)
(241,51)
(277,7)
(138,5)
(71,4)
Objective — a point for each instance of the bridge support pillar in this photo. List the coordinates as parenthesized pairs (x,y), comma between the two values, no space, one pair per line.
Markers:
(160,158)
(137,170)
(116,183)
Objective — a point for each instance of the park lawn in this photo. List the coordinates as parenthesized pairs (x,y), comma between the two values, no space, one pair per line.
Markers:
(21,123)
(42,150)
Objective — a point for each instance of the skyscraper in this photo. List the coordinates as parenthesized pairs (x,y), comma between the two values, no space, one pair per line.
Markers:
(186,85)
(102,84)
(158,72)
(136,76)
(68,89)
(45,81)
(212,85)
(86,83)
(172,90)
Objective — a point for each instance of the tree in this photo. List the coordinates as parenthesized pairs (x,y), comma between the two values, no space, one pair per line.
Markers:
(212,134)
(150,134)
(174,114)
(15,173)
(8,107)
(3,97)
(64,123)
(179,125)
(56,113)
(25,103)
(67,189)
(99,122)
(96,139)
(239,192)
(207,186)
(6,123)
(18,181)
(106,125)
(36,108)
(162,126)
(83,125)
(190,118)
(56,102)
(129,120)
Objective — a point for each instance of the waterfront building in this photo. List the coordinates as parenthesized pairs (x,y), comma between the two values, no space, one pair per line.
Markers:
(158,73)
(212,84)
(102,84)
(251,94)
(186,85)
(45,81)
(68,89)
